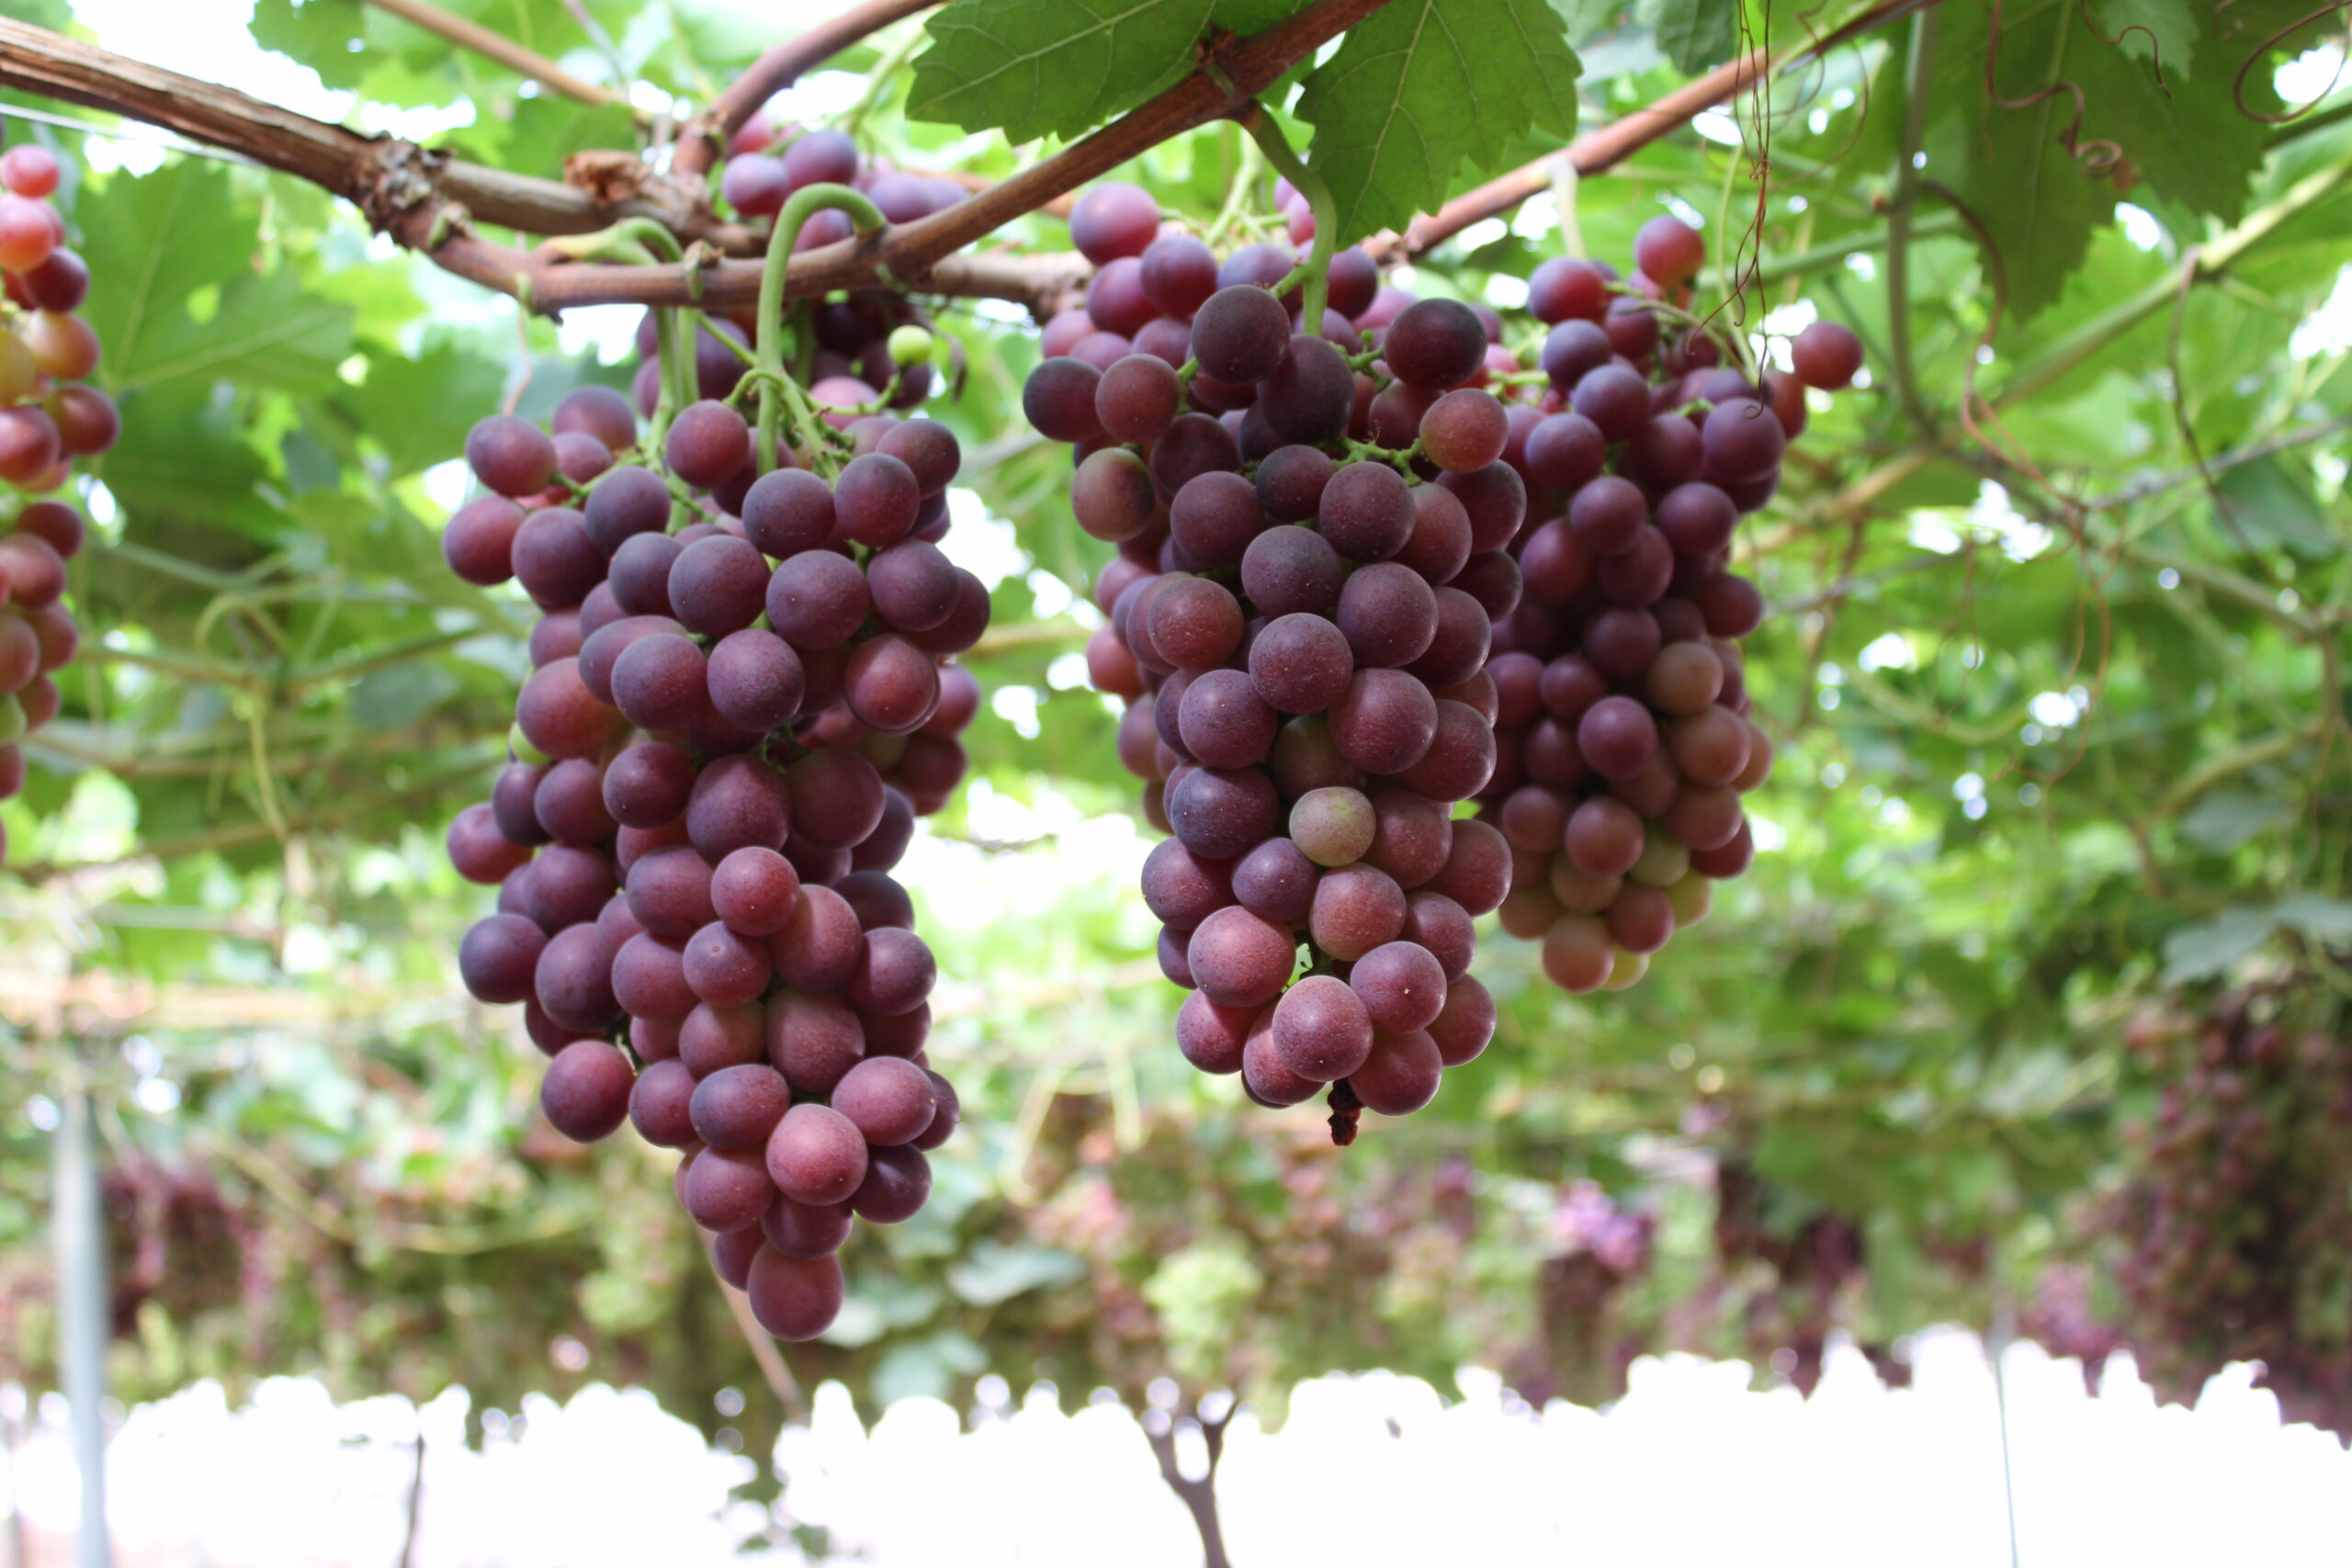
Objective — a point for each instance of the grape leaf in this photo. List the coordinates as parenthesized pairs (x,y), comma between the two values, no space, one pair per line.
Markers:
(1424,86)
(267,332)
(1034,68)
(2170,38)
(2004,152)
(1694,34)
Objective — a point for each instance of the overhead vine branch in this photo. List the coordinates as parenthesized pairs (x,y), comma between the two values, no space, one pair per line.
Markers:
(501,49)
(429,203)
(1620,140)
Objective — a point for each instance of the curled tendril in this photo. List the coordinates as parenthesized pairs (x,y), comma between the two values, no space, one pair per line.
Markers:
(2238,87)
(2156,44)
(2095,157)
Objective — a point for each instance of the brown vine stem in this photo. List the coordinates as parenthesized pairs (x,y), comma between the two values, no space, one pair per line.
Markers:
(428,202)
(504,50)
(1617,141)
(705,136)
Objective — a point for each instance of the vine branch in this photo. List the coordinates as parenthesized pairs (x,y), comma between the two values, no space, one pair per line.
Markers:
(501,49)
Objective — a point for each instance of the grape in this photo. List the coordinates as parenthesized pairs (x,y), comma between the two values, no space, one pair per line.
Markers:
(1301,663)
(1711,746)
(1195,624)
(1216,518)
(1574,350)
(891,684)
(1291,481)
(498,958)
(1557,565)
(1137,398)
(1385,721)
(1685,678)
(1366,511)
(889,1101)
(1640,574)
(585,1093)
(1665,452)
(1211,1036)
(755,680)
(1275,881)
(1058,400)
(897,1181)
(479,542)
(1265,1078)
(1112,221)
(1401,985)
(1388,614)
(639,574)
(1225,722)
(1441,925)
(1579,954)
(648,979)
(1320,1030)
(1669,250)
(754,890)
(570,804)
(1632,328)
(1731,606)
(510,456)
(1311,392)
(1332,826)
(1459,641)
(716,585)
(1465,430)
(1221,812)
(1179,274)
(707,444)
(1621,643)
(813,1038)
(817,600)
(1439,546)
(1603,837)
(1401,1075)
(1563,287)
(1743,439)
(806,1231)
(737,1108)
(1291,570)
(1194,445)
(1240,335)
(875,500)
(1616,400)
(557,714)
(1827,355)
(1435,344)
(660,1105)
(1355,909)
(894,974)
(816,1156)
(1240,959)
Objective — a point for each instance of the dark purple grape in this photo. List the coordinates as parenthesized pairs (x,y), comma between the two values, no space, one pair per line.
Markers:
(1220,812)
(717,585)
(1494,502)
(1194,445)
(806,1231)
(1608,514)
(1292,571)
(707,444)
(1385,721)
(896,1184)
(1435,344)
(1225,723)
(1742,438)
(1401,1075)
(500,957)
(1239,959)
(1566,286)
(1114,219)
(479,541)
(1401,985)
(1464,430)
(1366,511)
(1826,355)
(1355,909)
(1477,871)
(1614,399)
(837,798)
(894,974)
(1310,393)
(1241,333)
(1214,517)
(1275,881)
(1195,624)
(1731,606)
(659,683)
(1058,400)
(817,600)
(891,1102)
(816,1156)
(1464,1025)
(1388,615)
(1320,1029)
(557,714)
(1412,835)
(510,456)
(1212,1036)
(573,982)
(1112,496)
(1439,545)
(1291,481)
(1301,663)
(585,1093)
(737,1108)
(554,559)
(793,1299)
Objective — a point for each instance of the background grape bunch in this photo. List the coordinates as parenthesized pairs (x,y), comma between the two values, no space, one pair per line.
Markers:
(742,698)
(1623,740)
(47,419)
(2236,1228)
(1299,615)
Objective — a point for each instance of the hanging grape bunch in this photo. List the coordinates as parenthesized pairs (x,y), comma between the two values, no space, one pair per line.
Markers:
(2236,1228)
(741,699)
(47,419)
(1624,741)
(1298,620)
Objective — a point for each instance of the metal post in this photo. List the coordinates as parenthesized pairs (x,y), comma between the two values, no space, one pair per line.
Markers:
(83,1315)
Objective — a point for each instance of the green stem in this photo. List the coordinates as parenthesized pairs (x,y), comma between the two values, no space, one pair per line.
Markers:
(1237,194)
(776,387)
(643,240)
(1315,272)
(877,80)
(1898,221)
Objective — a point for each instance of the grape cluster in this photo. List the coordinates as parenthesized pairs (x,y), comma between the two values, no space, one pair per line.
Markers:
(1299,615)
(1796,1274)
(741,699)
(1623,737)
(1603,1250)
(2237,1224)
(47,419)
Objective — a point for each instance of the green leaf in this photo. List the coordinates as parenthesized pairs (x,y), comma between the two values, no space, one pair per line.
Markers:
(992,1272)
(164,236)
(1423,87)
(267,333)
(2267,503)
(2226,819)
(318,33)
(419,409)
(1034,68)
(1694,34)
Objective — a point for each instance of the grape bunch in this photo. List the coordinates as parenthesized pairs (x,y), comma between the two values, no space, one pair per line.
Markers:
(741,699)
(1298,620)
(1623,740)
(48,418)
(2236,1227)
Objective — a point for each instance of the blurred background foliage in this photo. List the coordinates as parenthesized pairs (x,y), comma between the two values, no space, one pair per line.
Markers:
(2061,728)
